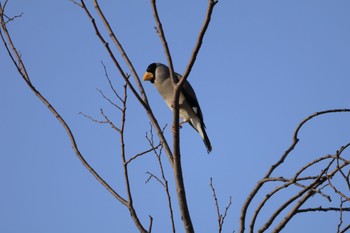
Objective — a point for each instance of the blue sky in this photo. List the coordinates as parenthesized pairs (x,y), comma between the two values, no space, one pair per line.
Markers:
(263,67)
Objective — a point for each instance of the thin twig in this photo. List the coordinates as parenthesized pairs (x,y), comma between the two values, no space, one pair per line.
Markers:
(216,204)
(322,209)
(160,32)
(164,180)
(111,84)
(221,217)
(336,190)
(150,224)
(93,119)
(322,178)
(210,8)
(338,157)
(109,100)
(110,122)
(142,153)
(345,229)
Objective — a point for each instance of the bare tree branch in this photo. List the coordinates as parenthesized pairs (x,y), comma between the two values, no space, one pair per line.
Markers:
(311,188)
(111,84)
(180,187)
(21,69)
(160,32)
(142,99)
(125,166)
(19,64)
(150,224)
(210,8)
(221,217)
(322,209)
(142,153)
(163,181)
(319,183)
(345,229)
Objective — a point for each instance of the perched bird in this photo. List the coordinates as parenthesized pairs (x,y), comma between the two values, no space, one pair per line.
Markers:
(190,111)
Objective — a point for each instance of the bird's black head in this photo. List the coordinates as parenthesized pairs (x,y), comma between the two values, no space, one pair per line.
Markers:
(150,73)
(152,68)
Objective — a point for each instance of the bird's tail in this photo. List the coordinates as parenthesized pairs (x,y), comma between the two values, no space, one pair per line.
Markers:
(205,137)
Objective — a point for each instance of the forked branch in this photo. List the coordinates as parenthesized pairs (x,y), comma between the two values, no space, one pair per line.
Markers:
(309,185)
(221,217)
(177,169)
(142,99)
(21,68)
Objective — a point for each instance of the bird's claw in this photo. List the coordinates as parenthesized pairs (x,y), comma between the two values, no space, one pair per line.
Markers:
(180,105)
(173,128)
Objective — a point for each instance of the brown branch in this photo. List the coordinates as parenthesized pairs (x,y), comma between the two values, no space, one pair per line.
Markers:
(345,229)
(338,157)
(177,169)
(221,217)
(180,187)
(160,32)
(336,190)
(216,205)
(14,55)
(150,224)
(304,195)
(111,54)
(144,101)
(106,121)
(151,175)
(21,69)
(142,153)
(131,208)
(111,84)
(286,184)
(322,209)
(93,119)
(322,178)
(185,215)
(281,160)
(108,99)
(164,180)
(121,131)
(24,74)
(143,98)
(121,50)
(210,8)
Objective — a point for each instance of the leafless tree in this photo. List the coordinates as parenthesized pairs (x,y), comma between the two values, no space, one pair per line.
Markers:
(304,185)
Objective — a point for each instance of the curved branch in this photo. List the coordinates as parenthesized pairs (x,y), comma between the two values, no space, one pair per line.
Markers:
(143,98)
(22,71)
(259,185)
(199,42)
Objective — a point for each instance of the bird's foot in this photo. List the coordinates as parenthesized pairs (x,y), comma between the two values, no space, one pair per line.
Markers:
(183,122)
(180,106)
(180,125)
(173,128)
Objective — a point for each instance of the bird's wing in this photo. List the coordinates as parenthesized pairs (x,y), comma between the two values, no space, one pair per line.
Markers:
(191,98)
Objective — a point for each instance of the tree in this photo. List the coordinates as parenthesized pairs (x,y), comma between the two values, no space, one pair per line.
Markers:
(331,166)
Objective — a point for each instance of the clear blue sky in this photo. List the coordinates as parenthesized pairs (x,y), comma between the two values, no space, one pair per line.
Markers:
(263,67)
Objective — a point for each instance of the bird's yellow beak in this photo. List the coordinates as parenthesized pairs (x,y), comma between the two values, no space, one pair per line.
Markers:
(148,76)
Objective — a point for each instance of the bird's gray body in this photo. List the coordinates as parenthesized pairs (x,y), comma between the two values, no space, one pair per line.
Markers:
(189,107)
(166,90)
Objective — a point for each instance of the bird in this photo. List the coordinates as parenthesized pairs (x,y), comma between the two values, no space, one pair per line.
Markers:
(159,75)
